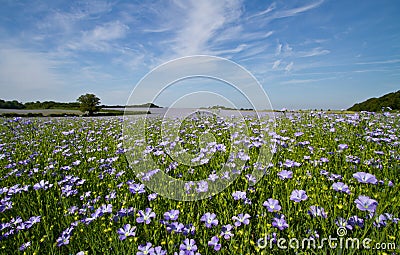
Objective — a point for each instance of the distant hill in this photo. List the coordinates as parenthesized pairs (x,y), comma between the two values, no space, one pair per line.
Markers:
(391,100)
(221,107)
(147,105)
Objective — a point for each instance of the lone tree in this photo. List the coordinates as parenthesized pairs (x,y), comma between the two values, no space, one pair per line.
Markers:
(89,103)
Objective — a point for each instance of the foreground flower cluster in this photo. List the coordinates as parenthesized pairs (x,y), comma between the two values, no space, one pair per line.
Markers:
(66,186)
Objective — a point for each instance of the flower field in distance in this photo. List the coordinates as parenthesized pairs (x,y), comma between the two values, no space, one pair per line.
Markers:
(66,186)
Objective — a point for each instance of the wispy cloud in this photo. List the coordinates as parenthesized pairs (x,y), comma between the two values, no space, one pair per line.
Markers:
(314,52)
(269,14)
(99,38)
(201,25)
(264,12)
(276,64)
(65,21)
(298,10)
(389,61)
(207,27)
(289,67)
(278,49)
(25,72)
(287,50)
(301,81)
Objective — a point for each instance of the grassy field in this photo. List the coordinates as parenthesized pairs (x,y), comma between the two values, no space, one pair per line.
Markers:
(81,185)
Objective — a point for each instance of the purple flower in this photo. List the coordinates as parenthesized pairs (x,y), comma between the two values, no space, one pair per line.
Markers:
(63,240)
(298,195)
(343,146)
(202,186)
(33,220)
(272,205)
(237,195)
(251,178)
(16,221)
(42,185)
(188,247)
(341,187)
(324,160)
(280,223)
(242,156)
(159,251)
(226,231)
(209,219)
(145,216)
(334,177)
(126,231)
(152,196)
(145,249)
(365,203)
(365,177)
(289,163)
(285,174)
(380,221)
(340,222)
(214,242)
(106,208)
(317,211)
(137,188)
(22,226)
(171,215)
(241,219)
(189,229)
(324,172)
(213,177)
(297,134)
(356,221)
(188,186)
(24,246)
(175,226)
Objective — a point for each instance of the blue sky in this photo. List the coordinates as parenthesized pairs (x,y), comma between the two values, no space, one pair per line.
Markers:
(306,54)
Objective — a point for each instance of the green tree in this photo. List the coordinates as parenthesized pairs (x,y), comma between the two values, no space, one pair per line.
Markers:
(89,103)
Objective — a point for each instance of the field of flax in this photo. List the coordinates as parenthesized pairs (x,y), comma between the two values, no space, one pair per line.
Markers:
(69,186)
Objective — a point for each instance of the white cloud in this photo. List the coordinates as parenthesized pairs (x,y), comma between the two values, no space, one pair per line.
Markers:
(289,67)
(99,38)
(278,49)
(287,49)
(202,22)
(24,73)
(107,32)
(299,81)
(266,11)
(270,14)
(314,52)
(295,11)
(276,64)
(66,22)
(390,61)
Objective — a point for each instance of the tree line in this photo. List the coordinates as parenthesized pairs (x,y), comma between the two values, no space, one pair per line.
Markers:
(389,101)
(14,104)
(88,103)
